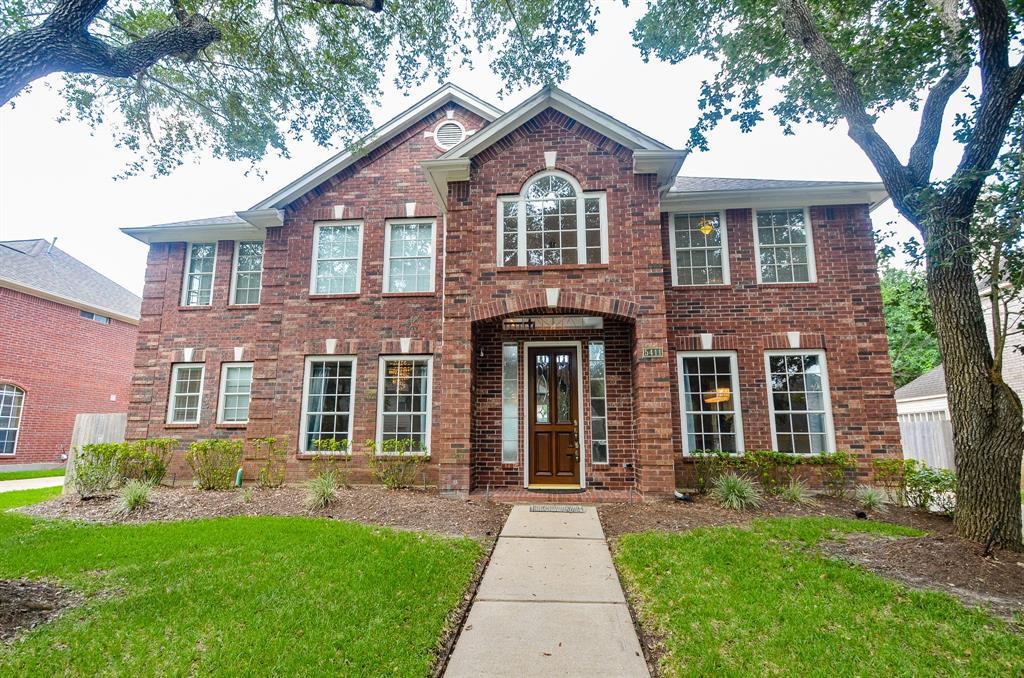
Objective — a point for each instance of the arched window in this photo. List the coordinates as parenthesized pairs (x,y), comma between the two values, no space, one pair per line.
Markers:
(11,400)
(552,222)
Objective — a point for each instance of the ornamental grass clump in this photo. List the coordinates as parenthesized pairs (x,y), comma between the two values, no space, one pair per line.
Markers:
(797,492)
(321,490)
(870,498)
(736,492)
(134,496)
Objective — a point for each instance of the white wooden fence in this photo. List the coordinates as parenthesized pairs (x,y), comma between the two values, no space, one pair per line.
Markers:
(93,428)
(928,437)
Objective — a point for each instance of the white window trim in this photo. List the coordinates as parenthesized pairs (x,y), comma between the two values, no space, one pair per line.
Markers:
(303,427)
(584,441)
(725,249)
(735,377)
(188,263)
(234,273)
(581,224)
(387,253)
(173,392)
(315,257)
(21,416)
(812,269)
(384,359)
(223,382)
(830,433)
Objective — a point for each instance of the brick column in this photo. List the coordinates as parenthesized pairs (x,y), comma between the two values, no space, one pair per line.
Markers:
(453,395)
(652,409)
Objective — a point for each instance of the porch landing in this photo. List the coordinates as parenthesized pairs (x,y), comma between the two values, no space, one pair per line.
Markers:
(519,495)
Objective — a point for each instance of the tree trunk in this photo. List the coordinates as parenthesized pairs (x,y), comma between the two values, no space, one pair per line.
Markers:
(988,427)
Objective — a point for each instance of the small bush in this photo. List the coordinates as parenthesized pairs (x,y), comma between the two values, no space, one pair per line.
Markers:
(96,469)
(396,464)
(320,491)
(870,498)
(214,463)
(145,460)
(331,456)
(929,487)
(797,492)
(736,492)
(273,455)
(834,466)
(891,474)
(134,496)
(247,495)
(708,465)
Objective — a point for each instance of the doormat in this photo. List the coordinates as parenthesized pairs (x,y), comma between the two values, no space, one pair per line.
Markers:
(556,508)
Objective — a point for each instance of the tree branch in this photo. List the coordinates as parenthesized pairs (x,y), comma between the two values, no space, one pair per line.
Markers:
(372,5)
(993,36)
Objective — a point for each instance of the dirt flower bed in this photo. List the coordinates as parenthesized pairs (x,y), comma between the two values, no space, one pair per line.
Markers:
(27,603)
(938,561)
(404,509)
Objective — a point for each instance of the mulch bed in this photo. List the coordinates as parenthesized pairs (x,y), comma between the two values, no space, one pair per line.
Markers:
(939,561)
(403,509)
(27,603)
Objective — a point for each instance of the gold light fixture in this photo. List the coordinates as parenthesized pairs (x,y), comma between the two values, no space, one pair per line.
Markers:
(721,395)
(706,226)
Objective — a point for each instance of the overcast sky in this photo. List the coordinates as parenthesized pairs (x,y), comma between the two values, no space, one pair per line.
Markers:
(56,178)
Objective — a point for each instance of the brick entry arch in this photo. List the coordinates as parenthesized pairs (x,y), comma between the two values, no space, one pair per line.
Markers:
(554,300)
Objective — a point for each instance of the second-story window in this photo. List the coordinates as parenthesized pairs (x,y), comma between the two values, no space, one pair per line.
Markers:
(699,249)
(337,251)
(785,249)
(248,280)
(198,288)
(552,222)
(409,257)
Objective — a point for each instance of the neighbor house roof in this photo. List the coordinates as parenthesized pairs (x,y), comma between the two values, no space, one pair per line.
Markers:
(931,384)
(40,268)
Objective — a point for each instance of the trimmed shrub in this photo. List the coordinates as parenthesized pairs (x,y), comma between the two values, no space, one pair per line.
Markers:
(834,467)
(134,496)
(870,498)
(320,491)
(145,460)
(736,492)
(273,455)
(929,488)
(891,475)
(214,463)
(396,464)
(96,469)
(708,465)
(797,492)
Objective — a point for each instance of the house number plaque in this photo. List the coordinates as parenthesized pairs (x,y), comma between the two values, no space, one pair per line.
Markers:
(653,352)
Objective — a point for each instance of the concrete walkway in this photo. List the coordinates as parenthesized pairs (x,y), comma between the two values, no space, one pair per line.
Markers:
(550,604)
(30,483)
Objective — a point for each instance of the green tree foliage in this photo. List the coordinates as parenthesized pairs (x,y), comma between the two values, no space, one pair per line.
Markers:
(913,346)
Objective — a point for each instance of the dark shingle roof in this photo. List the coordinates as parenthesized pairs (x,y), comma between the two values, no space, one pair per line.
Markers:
(929,384)
(35,264)
(208,221)
(701,184)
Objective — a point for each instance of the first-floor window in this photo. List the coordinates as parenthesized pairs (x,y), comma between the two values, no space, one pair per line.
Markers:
(598,403)
(235,392)
(509,403)
(328,401)
(710,402)
(404,402)
(798,397)
(186,393)
(12,399)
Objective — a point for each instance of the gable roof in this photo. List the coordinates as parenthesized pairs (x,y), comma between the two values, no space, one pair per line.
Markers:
(931,384)
(692,184)
(447,93)
(41,269)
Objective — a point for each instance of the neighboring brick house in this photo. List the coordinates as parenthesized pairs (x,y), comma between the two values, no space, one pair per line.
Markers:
(67,340)
(522,294)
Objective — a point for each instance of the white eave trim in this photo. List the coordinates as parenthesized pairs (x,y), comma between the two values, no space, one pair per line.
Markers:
(440,173)
(67,301)
(197,233)
(444,95)
(268,218)
(666,164)
(873,194)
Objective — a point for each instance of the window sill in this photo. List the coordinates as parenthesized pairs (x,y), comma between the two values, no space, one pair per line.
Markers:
(195,308)
(231,425)
(400,295)
(308,456)
(557,267)
(243,307)
(710,286)
(171,425)
(331,297)
(810,283)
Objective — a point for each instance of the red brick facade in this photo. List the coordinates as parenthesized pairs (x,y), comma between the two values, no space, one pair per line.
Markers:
(66,365)
(460,323)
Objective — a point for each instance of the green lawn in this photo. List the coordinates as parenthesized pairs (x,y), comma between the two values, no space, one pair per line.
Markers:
(22,475)
(235,596)
(24,498)
(741,602)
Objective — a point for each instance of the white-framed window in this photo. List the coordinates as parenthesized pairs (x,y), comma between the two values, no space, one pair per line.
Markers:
(799,403)
(409,256)
(552,222)
(186,401)
(235,393)
(598,402)
(785,247)
(95,317)
(12,401)
(709,398)
(699,243)
(199,269)
(337,257)
(404,401)
(328,400)
(248,279)
(509,403)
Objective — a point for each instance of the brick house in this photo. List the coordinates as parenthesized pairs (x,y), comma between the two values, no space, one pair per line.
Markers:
(523,295)
(67,341)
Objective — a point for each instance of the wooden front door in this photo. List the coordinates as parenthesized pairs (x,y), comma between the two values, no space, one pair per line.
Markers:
(554,407)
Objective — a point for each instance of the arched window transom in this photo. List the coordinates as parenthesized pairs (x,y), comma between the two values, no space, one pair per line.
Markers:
(12,400)
(552,222)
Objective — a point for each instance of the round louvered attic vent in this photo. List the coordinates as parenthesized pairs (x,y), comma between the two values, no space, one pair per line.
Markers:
(448,134)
